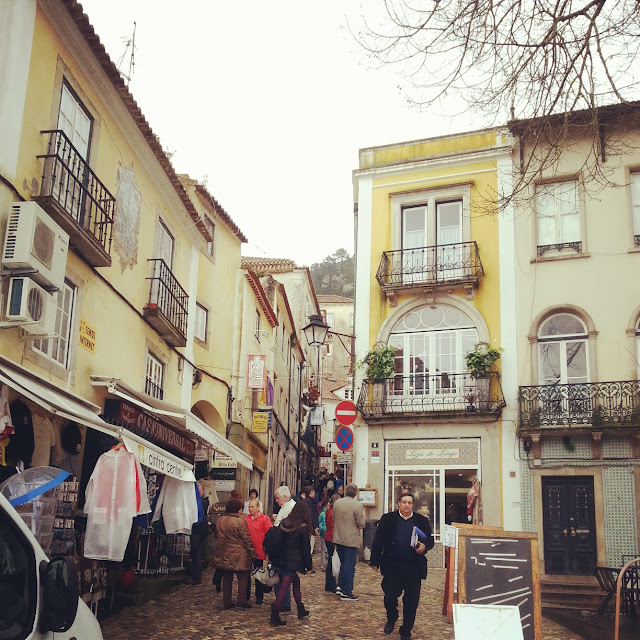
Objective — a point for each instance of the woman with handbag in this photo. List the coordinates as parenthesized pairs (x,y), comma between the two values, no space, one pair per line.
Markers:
(294,557)
(234,553)
(258,524)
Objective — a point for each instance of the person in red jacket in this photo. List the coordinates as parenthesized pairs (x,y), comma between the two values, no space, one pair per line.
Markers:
(258,524)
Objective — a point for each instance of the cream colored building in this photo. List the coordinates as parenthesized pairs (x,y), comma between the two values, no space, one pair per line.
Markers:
(572,244)
(131,260)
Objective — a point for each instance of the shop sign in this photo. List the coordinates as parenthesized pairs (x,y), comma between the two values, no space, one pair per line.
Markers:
(316,419)
(223,461)
(257,453)
(225,485)
(257,372)
(87,336)
(156,460)
(431,454)
(147,426)
(222,474)
(261,421)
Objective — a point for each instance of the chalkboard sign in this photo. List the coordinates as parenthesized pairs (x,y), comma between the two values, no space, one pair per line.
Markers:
(501,568)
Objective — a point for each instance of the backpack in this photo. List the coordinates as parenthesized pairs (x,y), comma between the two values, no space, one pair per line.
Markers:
(273,543)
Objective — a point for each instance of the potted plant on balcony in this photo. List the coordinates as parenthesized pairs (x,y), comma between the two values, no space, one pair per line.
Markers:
(480,361)
(378,363)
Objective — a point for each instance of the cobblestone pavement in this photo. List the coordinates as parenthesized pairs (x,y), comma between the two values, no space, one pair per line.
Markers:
(194,612)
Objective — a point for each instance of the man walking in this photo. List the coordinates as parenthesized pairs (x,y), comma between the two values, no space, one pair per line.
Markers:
(348,520)
(402,565)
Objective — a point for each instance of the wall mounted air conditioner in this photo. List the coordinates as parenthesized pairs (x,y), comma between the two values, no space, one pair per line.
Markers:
(34,241)
(30,307)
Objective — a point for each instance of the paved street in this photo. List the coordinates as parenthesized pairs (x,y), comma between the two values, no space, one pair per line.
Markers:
(195,613)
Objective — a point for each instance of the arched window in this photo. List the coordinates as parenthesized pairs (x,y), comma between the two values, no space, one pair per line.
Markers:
(563,350)
(431,343)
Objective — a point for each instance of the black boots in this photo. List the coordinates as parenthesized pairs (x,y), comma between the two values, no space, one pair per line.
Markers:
(302,612)
(276,620)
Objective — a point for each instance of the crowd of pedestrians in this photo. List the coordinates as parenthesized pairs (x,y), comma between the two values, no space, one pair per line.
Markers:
(246,539)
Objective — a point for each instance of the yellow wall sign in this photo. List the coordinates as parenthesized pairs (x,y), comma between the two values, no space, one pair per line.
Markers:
(260,421)
(87,336)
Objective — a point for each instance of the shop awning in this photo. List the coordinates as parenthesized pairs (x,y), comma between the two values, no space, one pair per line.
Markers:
(69,406)
(176,415)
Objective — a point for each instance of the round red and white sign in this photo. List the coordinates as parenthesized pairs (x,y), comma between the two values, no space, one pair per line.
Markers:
(346,412)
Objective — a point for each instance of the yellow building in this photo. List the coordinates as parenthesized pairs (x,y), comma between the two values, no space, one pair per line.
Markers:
(115,267)
(427,284)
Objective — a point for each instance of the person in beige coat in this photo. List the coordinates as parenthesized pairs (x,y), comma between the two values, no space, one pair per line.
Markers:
(234,553)
(348,521)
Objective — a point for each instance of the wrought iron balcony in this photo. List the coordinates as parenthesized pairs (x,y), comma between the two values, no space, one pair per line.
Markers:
(74,197)
(439,394)
(594,404)
(168,302)
(431,267)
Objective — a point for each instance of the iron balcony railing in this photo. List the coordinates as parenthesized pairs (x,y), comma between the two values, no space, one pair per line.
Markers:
(430,265)
(589,403)
(167,295)
(442,393)
(153,389)
(68,179)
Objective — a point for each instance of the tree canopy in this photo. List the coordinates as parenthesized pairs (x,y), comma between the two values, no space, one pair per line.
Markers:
(334,275)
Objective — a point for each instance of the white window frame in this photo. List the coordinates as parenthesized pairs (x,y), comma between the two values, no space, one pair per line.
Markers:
(62,329)
(634,186)
(559,238)
(154,374)
(563,340)
(256,330)
(211,228)
(430,198)
(73,119)
(348,393)
(330,319)
(201,325)
(329,349)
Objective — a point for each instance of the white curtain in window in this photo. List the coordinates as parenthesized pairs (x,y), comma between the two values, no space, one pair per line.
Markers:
(558,213)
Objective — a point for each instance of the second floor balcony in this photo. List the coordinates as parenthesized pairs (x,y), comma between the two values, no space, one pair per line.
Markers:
(166,310)
(588,405)
(439,266)
(75,198)
(439,395)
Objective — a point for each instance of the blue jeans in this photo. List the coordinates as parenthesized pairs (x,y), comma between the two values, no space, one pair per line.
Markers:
(347,557)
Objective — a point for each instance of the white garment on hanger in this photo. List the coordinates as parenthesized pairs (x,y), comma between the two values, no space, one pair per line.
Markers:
(177,504)
(111,504)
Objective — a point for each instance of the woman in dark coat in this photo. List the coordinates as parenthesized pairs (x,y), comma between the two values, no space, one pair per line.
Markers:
(234,553)
(294,558)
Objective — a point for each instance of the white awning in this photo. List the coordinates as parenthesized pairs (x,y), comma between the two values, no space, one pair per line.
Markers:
(69,406)
(174,414)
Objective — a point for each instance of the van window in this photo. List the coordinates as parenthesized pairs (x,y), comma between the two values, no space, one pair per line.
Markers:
(18,594)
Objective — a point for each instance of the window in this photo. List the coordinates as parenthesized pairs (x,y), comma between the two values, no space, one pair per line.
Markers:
(202,323)
(348,393)
(558,215)
(638,347)
(330,319)
(562,350)
(211,228)
(430,344)
(57,347)
(329,349)
(164,244)
(75,121)
(154,378)
(635,205)
(257,326)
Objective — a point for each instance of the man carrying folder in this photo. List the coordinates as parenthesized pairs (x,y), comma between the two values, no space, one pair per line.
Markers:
(399,550)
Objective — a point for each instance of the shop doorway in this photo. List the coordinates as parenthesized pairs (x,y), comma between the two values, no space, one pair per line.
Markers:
(568,513)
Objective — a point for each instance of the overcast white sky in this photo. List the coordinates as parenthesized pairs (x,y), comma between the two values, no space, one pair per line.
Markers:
(269,101)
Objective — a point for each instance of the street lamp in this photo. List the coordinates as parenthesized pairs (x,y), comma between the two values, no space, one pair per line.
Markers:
(316,331)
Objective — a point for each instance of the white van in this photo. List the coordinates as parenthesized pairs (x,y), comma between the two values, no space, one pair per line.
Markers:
(38,598)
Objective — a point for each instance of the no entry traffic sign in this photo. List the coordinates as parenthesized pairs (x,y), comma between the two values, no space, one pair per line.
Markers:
(344,438)
(346,412)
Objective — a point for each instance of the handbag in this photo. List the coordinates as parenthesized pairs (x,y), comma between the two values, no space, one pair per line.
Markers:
(267,575)
(335,564)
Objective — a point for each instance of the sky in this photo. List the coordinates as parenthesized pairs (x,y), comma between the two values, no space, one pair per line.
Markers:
(268,103)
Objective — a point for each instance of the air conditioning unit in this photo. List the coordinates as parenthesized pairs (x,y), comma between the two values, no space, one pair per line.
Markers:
(34,241)
(30,306)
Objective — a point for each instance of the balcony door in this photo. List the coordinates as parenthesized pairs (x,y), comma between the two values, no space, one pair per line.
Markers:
(430,344)
(563,366)
(449,258)
(161,290)
(71,176)
(414,241)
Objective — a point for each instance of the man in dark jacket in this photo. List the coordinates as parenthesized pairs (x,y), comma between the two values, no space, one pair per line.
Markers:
(310,501)
(402,565)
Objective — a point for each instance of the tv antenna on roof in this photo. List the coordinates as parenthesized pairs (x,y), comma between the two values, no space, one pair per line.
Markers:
(130,43)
